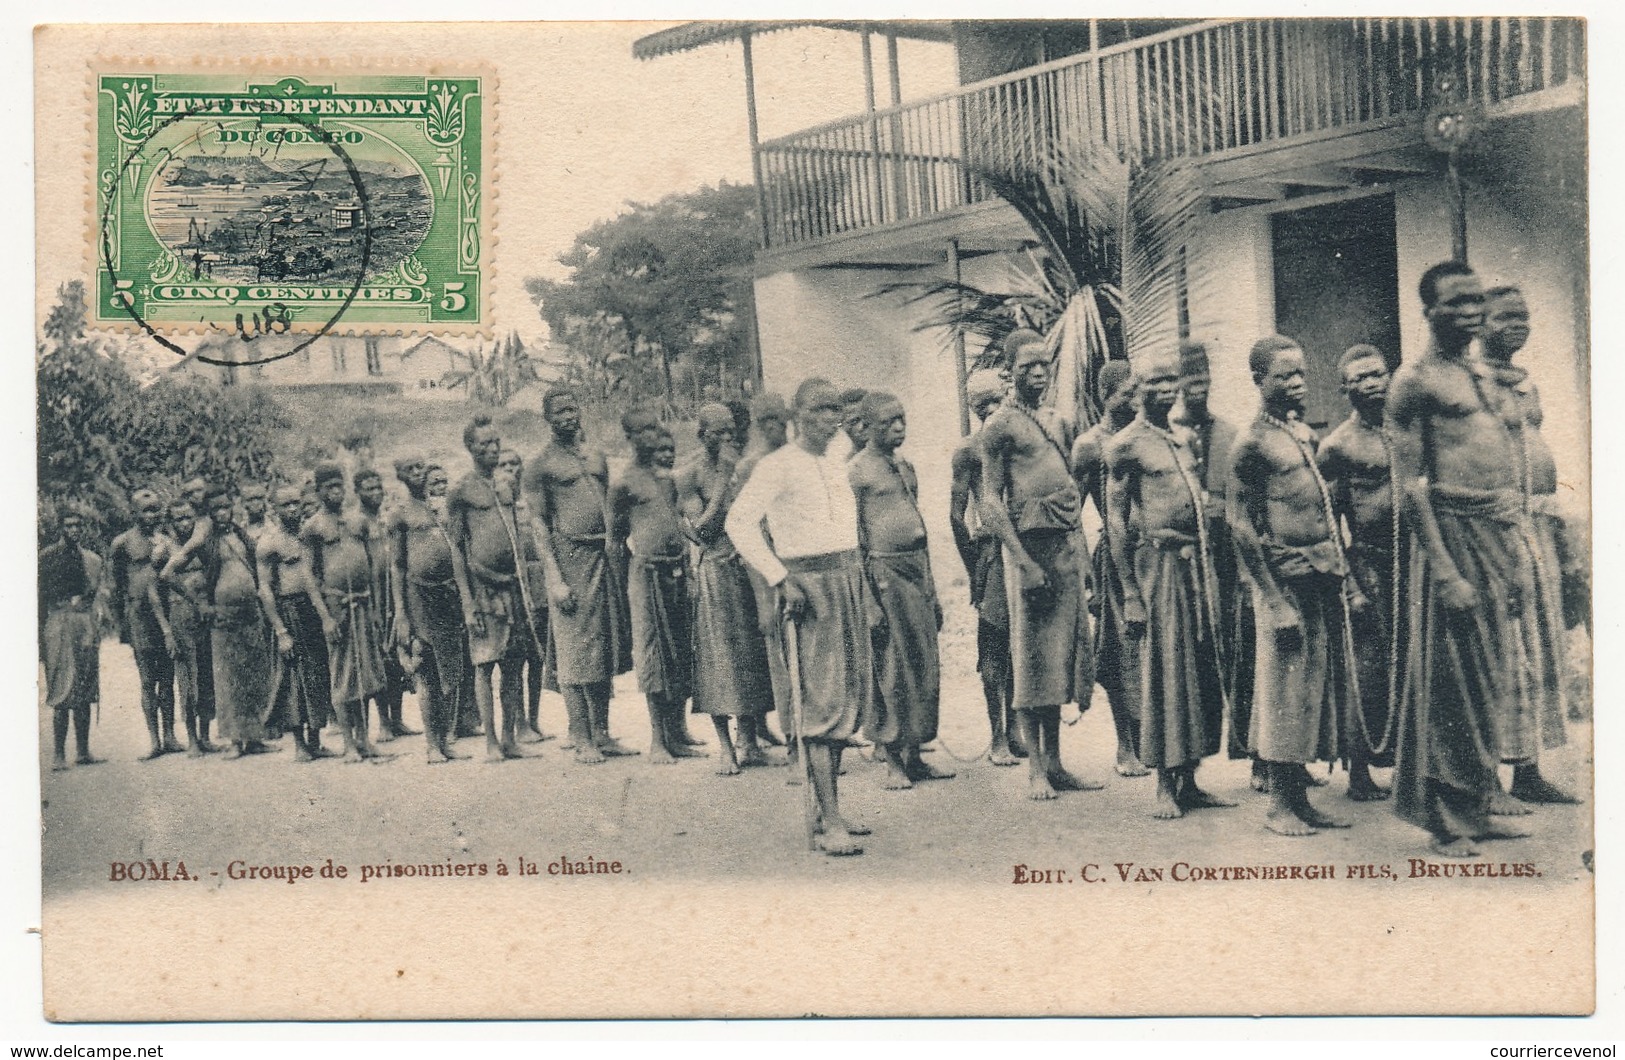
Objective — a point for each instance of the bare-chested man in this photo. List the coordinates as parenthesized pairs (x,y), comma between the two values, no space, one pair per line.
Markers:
(645,522)
(1470,584)
(340,551)
(731,678)
(802,494)
(1354,462)
(193,649)
(252,498)
(1556,562)
(70,638)
(227,598)
(772,420)
(567,484)
(1158,535)
(1283,524)
(1031,503)
(428,606)
(303,686)
(489,552)
(982,554)
(1116,646)
(891,534)
(1211,439)
(143,625)
(369,496)
(538,671)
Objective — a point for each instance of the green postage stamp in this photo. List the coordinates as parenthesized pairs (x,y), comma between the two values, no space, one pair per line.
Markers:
(291,202)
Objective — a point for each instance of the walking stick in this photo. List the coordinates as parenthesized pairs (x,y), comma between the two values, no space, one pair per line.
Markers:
(792,662)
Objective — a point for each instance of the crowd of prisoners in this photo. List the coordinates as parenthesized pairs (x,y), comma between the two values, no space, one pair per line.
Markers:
(1395,594)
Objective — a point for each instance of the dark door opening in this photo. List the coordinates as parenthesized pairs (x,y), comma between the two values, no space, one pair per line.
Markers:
(1336,284)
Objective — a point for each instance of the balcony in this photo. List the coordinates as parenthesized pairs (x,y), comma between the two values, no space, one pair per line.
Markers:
(1212,91)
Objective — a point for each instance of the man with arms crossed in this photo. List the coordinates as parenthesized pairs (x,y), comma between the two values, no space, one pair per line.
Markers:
(142,622)
(802,492)
(1031,504)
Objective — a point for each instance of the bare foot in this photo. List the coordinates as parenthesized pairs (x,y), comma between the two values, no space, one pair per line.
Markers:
(302,754)
(1194,798)
(1285,822)
(844,825)
(450,753)
(88,760)
(1495,832)
(234,753)
(1129,766)
(1539,789)
(683,750)
(587,754)
(1319,820)
(194,751)
(352,756)
(659,756)
(610,747)
(1458,847)
(385,735)
(208,748)
(755,758)
(173,746)
(400,729)
(438,756)
(837,844)
(59,764)
(494,753)
(896,780)
(1039,789)
(1504,805)
(511,750)
(925,771)
(1369,791)
(1166,808)
(152,755)
(1061,780)
(1001,756)
(318,751)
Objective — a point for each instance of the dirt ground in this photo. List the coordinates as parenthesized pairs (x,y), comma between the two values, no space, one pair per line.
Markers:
(682,821)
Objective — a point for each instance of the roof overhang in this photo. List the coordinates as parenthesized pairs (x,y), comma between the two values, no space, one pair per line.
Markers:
(691,35)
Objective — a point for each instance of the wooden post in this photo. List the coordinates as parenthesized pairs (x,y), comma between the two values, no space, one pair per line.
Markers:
(1458,208)
(879,204)
(755,136)
(961,369)
(895,82)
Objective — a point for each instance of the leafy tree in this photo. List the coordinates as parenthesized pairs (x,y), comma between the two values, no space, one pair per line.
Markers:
(663,283)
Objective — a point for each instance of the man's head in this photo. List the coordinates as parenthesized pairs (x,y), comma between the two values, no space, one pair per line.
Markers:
(818,413)
(194,489)
(510,468)
(771,418)
(1453,302)
(147,509)
(369,490)
(309,503)
(72,525)
(852,415)
(984,390)
(1363,374)
(1117,387)
(638,421)
(716,427)
(410,471)
(1278,368)
(1029,360)
(659,449)
(483,443)
(436,482)
(886,424)
(290,507)
(217,502)
(252,497)
(1506,322)
(1195,378)
(1158,376)
(562,412)
(329,482)
(182,519)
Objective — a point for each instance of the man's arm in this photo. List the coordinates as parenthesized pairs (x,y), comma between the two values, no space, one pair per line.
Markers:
(743,526)
(310,539)
(1248,513)
(708,524)
(995,516)
(269,562)
(1407,420)
(395,532)
(184,555)
(118,560)
(1085,467)
(621,499)
(559,593)
(1332,464)
(964,466)
(1122,494)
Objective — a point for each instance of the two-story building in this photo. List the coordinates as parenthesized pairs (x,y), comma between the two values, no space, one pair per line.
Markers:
(1324,195)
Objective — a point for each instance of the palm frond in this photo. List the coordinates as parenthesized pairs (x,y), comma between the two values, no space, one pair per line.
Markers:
(1159,219)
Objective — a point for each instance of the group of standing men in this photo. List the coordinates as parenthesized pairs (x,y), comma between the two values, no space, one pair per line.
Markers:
(1397,593)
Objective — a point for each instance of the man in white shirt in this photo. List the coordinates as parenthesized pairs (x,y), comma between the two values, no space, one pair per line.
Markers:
(802,490)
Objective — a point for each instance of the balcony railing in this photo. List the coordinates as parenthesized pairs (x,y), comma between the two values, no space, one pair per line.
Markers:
(1197,90)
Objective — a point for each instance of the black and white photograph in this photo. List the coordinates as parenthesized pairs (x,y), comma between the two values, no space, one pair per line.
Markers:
(774,518)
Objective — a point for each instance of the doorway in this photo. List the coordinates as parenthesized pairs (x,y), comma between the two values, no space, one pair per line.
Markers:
(1336,284)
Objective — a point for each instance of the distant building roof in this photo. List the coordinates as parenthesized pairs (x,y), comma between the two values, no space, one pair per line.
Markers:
(432,344)
(691,35)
